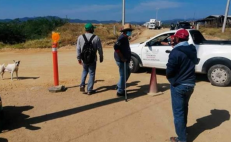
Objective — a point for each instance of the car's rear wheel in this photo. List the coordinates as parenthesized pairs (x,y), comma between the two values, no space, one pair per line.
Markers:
(134,65)
(219,75)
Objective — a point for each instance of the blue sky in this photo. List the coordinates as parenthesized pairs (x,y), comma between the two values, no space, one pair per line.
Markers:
(136,10)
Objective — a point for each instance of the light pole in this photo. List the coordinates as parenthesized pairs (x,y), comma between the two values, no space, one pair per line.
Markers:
(123,13)
(226,14)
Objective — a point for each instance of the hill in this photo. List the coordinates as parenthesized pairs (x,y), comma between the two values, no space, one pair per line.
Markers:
(92,21)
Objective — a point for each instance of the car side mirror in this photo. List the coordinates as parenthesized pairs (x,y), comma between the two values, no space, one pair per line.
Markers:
(147,44)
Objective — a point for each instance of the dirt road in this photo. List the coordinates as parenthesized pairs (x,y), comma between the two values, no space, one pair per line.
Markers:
(35,115)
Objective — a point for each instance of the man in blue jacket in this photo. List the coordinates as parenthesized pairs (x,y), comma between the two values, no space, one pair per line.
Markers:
(122,56)
(181,75)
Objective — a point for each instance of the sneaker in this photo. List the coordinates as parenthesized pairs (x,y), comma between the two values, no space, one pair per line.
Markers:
(82,88)
(91,92)
(121,94)
(174,139)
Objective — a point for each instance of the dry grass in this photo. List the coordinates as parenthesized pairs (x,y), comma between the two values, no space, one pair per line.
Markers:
(70,32)
(216,33)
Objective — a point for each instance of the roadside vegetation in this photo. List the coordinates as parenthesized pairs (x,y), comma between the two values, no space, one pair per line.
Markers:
(18,34)
(216,32)
(37,33)
(211,33)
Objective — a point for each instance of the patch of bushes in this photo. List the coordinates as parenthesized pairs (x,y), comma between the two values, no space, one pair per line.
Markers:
(16,31)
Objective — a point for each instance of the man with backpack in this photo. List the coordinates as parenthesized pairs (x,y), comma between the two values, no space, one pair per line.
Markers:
(87,46)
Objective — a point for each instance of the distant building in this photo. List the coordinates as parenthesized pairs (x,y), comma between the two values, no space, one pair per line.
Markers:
(214,21)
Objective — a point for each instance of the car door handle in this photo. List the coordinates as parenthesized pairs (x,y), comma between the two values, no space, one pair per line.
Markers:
(168,51)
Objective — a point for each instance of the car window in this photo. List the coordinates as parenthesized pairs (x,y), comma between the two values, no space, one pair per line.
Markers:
(197,37)
(162,38)
(168,38)
(184,24)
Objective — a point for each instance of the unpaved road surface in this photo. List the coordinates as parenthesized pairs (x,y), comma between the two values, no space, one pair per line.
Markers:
(35,115)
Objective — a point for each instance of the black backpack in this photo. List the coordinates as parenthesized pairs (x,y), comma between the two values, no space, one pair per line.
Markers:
(88,53)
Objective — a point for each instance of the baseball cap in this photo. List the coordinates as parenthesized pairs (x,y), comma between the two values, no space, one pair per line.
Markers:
(182,33)
(89,26)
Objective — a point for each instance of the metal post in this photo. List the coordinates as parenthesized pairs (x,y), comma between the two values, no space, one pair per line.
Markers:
(157,13)
(123,13)
(114,30)
(226,14)
(125,81)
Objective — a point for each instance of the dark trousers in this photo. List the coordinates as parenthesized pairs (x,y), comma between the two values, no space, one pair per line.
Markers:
(180,98)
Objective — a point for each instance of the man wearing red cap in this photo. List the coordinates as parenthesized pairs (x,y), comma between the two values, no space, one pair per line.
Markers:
(181,75)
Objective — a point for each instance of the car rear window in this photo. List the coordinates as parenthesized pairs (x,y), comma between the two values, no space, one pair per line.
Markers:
(184,24)
(197,37)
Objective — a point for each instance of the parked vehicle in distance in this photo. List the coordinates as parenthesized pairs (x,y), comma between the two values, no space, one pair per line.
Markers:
(184,25)
(214,56)
(172,26)
(154,24)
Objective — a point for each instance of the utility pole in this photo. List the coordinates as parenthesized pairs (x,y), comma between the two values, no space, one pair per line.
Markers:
(157,13)
(226,14)
(123,13)
(194,17)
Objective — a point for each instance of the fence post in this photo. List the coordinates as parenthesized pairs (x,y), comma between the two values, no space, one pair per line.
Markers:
(114,30)
(198,26)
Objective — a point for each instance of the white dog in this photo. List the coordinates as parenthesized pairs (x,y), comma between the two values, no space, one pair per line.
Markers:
(12,68)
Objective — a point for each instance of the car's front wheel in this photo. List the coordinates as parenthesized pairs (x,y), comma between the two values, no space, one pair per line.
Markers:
(134,65)
(219,75)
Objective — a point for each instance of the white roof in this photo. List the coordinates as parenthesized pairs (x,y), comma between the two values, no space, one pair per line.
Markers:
(219,15)
(215,16)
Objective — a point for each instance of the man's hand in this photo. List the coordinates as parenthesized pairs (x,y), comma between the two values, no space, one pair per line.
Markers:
(80,62)
(101,59)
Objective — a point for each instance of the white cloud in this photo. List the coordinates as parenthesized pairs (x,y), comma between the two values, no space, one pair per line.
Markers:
(91,8)
(153,5)
(161,4)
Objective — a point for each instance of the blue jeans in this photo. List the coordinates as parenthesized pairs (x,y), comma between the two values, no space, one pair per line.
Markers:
(91,70)
(121,83)
(180,98)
